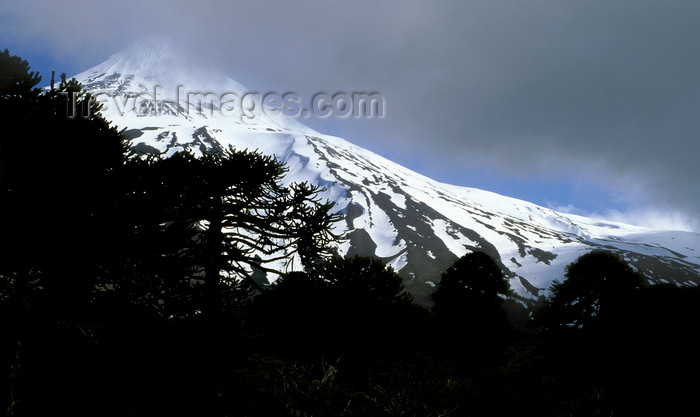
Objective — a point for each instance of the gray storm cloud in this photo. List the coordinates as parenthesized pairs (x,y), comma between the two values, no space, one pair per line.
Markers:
(606,91)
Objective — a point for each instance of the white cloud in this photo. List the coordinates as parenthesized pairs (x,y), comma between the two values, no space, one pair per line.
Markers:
(654,218)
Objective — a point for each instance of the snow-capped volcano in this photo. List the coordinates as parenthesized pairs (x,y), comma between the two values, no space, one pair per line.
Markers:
(416,224)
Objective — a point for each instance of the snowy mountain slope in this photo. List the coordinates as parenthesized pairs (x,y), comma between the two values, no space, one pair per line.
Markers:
(417,225)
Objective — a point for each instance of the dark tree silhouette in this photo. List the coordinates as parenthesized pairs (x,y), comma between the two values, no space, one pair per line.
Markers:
(214,221)
(341,302)
(56,190)
(363,279)
(599,287)
(58,159)
(471,293)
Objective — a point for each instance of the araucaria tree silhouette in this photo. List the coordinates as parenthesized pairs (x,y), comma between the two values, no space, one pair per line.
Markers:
(224,216)
(471,293)
(57,159)
(599,287)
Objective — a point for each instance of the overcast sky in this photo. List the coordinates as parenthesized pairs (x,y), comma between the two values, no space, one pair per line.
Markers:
(588,106)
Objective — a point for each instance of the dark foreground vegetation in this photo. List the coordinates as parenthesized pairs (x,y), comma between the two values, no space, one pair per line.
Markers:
(135,285)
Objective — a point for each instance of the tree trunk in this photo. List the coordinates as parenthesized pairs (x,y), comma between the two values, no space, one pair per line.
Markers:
(212,269)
